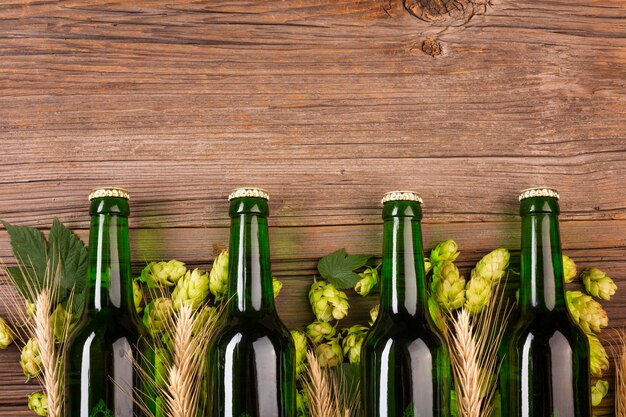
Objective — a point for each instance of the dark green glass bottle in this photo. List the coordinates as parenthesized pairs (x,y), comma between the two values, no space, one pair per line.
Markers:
(545,371)
(405,367)
(100,376)
(251,361)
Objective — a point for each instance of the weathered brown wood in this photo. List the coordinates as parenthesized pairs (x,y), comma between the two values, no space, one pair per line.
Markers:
(328,104)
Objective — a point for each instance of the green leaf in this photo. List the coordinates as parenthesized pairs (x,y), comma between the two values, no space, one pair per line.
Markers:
(68,253)
(344,280)
(19,282)
(30,250)
(338,268)
(348,375)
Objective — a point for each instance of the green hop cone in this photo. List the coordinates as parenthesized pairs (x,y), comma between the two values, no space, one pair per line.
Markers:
(598,358)
(203,316)
(319,331)
(598,392)
(157,314)
(31,309)
(6,334)
(191,290)
(587,312)
(478,294)
(449,287)
(329,354)
(427,266)
(374,313)
(369,279)
(218,278)
(598,284)
(352,343)
(493,265)
(137,295)
(163,274)
(447,250)
(60,320)
(328,302)
(30,360)
(569,269)
(436,313)
(38,402)
(302,403)
(299,339)
(277,285)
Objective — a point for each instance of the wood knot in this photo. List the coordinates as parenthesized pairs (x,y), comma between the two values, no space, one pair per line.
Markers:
(445,12)
(432,47)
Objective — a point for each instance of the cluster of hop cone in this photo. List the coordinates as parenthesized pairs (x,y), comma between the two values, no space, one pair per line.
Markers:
(173,285)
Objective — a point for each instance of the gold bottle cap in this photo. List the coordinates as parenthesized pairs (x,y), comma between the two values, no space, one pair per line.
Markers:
(401,196)
(538,192)
(109,192)
(248,192)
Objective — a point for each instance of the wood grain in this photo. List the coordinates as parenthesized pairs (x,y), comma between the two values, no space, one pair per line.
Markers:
(326,103)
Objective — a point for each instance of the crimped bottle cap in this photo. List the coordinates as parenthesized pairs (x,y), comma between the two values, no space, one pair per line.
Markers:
(109,192)
(538,192)
(248,192)
(401,196)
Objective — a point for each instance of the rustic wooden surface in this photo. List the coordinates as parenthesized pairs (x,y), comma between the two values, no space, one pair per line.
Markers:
(327,104)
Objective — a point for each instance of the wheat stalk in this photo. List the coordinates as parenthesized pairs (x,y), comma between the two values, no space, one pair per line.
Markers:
(473,342)
(329,395)
(184,362)
(41,329)
(619,353)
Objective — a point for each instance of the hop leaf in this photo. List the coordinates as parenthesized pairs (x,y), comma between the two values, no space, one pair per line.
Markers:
(478,294)
(449,286)
(599,360)
(328,302)
(587,312)
(374,313)
(352,343)
(569,269)
(299,339)
(163,274)
(598,284)
(598,392)
(192,289)
(218,278)
(277,285)
(38,402)
(369,279)
(493,265)
(319,331)
(6,334)
(329,354)
(157,314)
(30,360)
(137,295)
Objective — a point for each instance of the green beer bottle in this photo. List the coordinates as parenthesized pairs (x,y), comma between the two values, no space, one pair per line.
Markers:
(405,367)
(100,376)
(251,361)
(545,371)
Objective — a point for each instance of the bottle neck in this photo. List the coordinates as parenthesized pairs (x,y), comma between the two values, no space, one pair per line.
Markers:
(110,278)
(541,279)
(250,288)
(403,290)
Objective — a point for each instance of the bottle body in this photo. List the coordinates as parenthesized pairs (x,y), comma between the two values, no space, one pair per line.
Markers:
(405,367)
(251,361)
(545,368)
(100,374)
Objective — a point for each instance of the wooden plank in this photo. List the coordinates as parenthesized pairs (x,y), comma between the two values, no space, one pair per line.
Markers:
(328,104)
